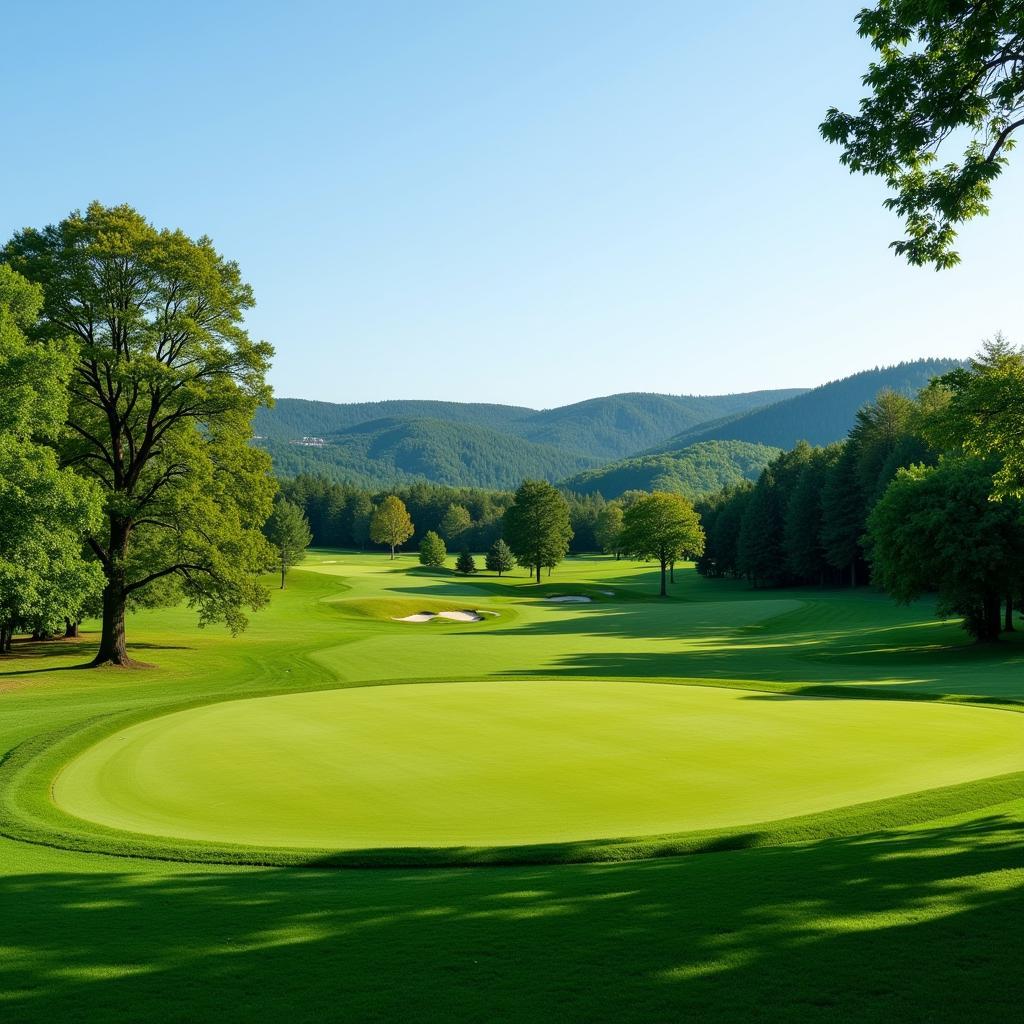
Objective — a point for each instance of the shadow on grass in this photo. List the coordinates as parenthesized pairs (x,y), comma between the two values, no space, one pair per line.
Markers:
(911,926)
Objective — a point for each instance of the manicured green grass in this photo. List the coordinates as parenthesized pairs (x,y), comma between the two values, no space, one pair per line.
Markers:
(478,764)
(909,922)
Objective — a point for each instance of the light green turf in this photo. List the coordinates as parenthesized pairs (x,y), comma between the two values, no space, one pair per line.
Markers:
(477,764)
(898,917)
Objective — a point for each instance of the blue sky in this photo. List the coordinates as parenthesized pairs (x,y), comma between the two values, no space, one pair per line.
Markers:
(528,202)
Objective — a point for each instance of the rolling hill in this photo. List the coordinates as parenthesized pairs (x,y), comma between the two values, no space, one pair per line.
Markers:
(694,471)
(820,416)
(393,451)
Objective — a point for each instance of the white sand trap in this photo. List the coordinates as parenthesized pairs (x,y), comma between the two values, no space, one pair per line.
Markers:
(571,599)
(607,593)
(454,616)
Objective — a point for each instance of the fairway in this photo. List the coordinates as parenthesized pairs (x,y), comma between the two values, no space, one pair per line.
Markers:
(506,763)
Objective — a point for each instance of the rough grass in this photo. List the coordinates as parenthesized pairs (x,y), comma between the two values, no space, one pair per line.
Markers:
(893,920)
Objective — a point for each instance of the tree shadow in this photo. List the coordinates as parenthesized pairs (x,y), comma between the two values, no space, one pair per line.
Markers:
(915,925)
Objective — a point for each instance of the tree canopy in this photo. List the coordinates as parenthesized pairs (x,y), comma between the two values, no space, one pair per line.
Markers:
(664,527)
(948,72)
(432,550)
(288,532)
(936,528)
(44,510)
(391,523)
(164,387)
(499,557)
(537,526)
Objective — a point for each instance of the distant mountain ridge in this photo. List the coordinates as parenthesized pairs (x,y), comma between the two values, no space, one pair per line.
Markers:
(665,440)
(820,416)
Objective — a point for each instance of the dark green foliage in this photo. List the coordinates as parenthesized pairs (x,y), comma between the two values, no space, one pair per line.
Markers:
(722,518)
(537,526)
(455,522)
(937,528)
(608,529)
(801,540)
(465,563)
(823,415)
(694,471)
(499,557)
(289,535)
(432,550)
(944,69)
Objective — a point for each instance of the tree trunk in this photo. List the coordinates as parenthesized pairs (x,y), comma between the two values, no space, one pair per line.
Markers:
(1008,620)
(392,552)
(990,627)
(538,570)
(113,650)
(672,572)
(664,590)
(6,632)
(70,629)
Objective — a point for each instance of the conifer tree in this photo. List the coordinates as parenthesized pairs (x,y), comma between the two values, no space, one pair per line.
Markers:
(432,550)
(465,563)
(499,558)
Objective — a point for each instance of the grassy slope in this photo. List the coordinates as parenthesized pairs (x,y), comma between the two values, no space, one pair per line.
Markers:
(914,923)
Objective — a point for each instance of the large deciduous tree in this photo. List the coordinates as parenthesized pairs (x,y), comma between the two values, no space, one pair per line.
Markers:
(162,394)
(938,529)
(391,523)
(608,529)
(664,527)
(537,527)
(947,71)
(44,510)
(288,532)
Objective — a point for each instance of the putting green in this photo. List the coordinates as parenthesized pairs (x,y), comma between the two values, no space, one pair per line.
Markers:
(495,763)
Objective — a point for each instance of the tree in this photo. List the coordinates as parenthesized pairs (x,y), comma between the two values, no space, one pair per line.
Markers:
(843,515)
(663,527)
(455,522)
(391,524)
(44,510)
(465,563)
(165,384)
(979,410)
(360,512)
(536,526)
(937,528)
(289,534)
(945,69)
(499,558)
(608,528)
(432,550)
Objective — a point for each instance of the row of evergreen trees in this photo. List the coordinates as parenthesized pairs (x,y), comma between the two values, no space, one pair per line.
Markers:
(924,496)
(805,519)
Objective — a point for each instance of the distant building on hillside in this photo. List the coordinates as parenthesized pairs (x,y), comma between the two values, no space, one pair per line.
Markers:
(311,442)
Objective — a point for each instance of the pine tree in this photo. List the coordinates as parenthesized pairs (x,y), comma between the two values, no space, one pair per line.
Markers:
(499,558)
(465,563)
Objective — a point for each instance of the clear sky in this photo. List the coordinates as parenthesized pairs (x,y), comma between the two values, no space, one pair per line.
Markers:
(530,202)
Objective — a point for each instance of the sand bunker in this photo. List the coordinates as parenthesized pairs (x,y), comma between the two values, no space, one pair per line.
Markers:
(570,599)
(455,616)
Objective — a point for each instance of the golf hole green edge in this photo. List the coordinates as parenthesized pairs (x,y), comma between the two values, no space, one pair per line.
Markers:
(29,814)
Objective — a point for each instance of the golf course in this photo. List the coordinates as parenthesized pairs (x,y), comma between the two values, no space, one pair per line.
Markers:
(760,795)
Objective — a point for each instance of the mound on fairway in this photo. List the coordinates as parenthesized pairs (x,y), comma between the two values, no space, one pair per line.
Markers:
(519,762)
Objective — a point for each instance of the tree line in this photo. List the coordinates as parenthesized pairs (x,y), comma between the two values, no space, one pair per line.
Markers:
(916,499)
